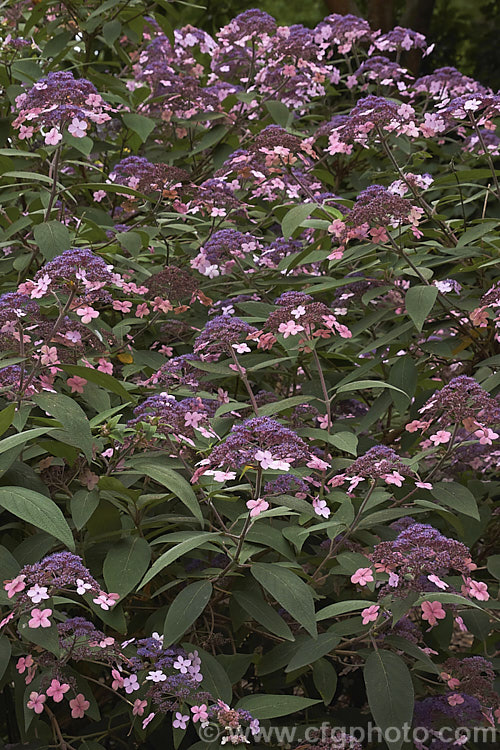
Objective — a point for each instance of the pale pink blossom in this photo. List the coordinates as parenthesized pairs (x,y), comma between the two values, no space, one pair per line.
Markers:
(36,702)
(87,313)
(78,706)
(441,436)
(39,618)
(149,719)
(256,507)
(362,576)
(53,137)
(56,690)
(15,586)
(289,329)
(76,383)
(78,128)
(432,612)
(199,713)
(138,707)
(370,614)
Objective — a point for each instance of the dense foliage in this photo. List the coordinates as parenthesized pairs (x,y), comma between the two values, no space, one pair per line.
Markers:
(249,331)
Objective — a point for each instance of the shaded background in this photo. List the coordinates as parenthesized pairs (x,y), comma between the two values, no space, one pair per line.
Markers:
(465,31)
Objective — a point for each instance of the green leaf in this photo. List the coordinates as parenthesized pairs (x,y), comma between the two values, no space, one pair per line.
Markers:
(52,238)
(294,218)
(111,31)
(6,417)
(197,540)
(99,378)
(38,510)
(22,437)
(389,690)
(125,564)
(313,650)
(360,385)
(72,417)
(493,565)
(184,610)
(5,652)
(271,706)
(419,301)
(82,505)
(290,591)
(456,496)
(340,608)
(141,125)
(279,112)
(215,678)
(172,481)
(255,605)
(403,375)
(286,403)
(344,441)
(325,680)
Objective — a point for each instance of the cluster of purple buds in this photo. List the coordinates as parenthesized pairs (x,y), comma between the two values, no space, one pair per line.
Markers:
(382,71)
(298,312)
(330,739)
(222,251)
(341,31)
(77,271)
(447,83)
(399,40)
(369,121)
(173,419)
(60,101)
(259,442)
(140,174)
(461,401)
(380,462)
(221,335)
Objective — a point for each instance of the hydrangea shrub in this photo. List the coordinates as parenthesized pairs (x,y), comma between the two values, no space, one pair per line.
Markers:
(249,342)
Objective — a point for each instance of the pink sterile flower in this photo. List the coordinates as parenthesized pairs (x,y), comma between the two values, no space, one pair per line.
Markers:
(117,680)
(36,702)
(39,618)
(180,721)
(148,719)
(486,435)
(455,699)
(106,601)
(24,663)
(257,506)
(38,593)
(139,706)
(370,614)
(199,713)
(123,306)
(394,478)
(49,355)
(438,582)
(478,590)
(317,463)
(289,329)
(56,690)
(78,127)
(441,436)
(76,384)
(415,425)
(105,366)
(221,476)
(26,132)
(321,507)
(98,195)
(432,612)
(162,305)
(7,619)
(87,313)
(242,348)
(15,586)
(182,664)
(142,310)
(78,706)
(362,576)
(53,137)
(131,684)
(192,418)
(323,421)
(424,485)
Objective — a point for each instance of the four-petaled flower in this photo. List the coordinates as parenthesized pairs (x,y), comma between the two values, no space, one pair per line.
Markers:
(78,706)
(39,618)
(36,702)
(370,614)
(56,690)
(199,713)
(432,612)
(362,576)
